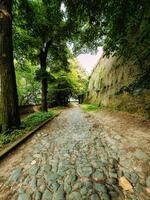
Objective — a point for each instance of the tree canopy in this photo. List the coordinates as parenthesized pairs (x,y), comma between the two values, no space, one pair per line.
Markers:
(121,27)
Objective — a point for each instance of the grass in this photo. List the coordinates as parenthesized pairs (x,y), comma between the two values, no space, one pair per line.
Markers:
(28,124)
(91,107)
(58,108)
(35,119)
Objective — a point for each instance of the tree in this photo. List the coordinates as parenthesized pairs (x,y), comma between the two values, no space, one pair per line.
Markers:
(9,98)
(121,27)
(28,88)
(70,83)
(46,35)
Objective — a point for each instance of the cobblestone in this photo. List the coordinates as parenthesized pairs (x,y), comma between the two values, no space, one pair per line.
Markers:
(71,160)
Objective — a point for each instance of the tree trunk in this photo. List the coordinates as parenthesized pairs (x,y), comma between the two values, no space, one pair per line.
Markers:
(9,97)
(43,57)
(44,95)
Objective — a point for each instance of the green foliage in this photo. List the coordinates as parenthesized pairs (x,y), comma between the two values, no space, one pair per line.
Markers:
(35,119)
(67,84)
(40,74)
(78,77)
(28,124)
(60,91)
(8,137)
(91,107)
(28,87)
(45,30)
(42,39)
(121,27)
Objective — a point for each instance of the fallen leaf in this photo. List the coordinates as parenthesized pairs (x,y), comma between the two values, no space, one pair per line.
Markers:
(125,184)
(148,190)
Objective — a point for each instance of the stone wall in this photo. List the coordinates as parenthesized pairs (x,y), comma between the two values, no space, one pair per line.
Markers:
(120,86)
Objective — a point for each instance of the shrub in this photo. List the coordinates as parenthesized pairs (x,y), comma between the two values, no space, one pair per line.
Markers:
(28,124)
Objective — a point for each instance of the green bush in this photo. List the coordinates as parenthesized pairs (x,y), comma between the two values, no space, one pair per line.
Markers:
(28,124)
(35,119)
(91,107)
(8,137)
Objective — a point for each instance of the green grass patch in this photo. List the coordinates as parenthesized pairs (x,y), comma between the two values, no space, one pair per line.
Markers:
(28,124)
(35,119)
(91,107)
(57,108)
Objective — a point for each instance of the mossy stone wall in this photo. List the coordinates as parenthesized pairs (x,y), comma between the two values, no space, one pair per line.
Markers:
(120,86)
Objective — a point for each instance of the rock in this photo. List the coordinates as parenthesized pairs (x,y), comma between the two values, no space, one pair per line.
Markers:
(117,137)
(113,175)
(134,177)
(75,196)
(113,194)
(42,188)
(71,171)
(28,159)
(63,166)
(95,197)
(85,171)
(70,179)
(38,195)
(47,195)
(88,184)
(148,182)
(67,187)
(127,175)
(39,147)
(141,155)
(100,188)
(33,183)
(21,190)
(111,181)
(54,186)
(127,163)
(125,184)
(51,176)
(77,185)
(83,190)
(55,166)
(139,188)
(47,168)
(37,155)
(15,174)
(24,196)
(96,164)
(105,196)
(59,195)
(119,173)
(26,181)
(98,176)
(33,170)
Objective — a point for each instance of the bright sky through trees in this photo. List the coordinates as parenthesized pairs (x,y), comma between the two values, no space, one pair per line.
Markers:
(88,61)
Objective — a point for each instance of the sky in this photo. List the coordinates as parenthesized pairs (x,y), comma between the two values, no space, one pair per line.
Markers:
(88,61)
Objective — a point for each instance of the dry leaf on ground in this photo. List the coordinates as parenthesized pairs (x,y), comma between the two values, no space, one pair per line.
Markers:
(125,184)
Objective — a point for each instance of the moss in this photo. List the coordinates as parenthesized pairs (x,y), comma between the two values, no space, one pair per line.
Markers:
(138,85)
(121,86)
(91,107)
(128,103)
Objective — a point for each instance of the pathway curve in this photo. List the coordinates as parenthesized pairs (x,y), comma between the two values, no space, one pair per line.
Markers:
(67,159)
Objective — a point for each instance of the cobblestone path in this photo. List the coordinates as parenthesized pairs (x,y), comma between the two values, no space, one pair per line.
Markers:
(67,159)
